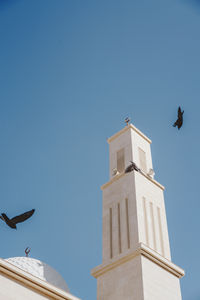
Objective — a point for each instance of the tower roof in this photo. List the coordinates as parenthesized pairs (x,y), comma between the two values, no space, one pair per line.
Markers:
(40,270)
(127,128)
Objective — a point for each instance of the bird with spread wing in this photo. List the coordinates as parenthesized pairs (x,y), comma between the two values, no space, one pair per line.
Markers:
(18,219)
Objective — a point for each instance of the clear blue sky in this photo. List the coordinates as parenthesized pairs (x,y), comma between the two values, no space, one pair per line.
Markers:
(70,72)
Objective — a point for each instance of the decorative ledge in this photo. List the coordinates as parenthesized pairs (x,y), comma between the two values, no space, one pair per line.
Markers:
(37,284)
(142,250)
(113,137)
(116,177)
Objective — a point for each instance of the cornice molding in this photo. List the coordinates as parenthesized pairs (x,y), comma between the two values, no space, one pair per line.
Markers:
(37,284)
(116,177)
(142,250)
(130,126)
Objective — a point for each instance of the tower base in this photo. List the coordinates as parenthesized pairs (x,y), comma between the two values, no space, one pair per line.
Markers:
(142,274)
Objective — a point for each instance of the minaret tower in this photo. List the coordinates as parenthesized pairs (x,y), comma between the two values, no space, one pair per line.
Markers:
(136,253)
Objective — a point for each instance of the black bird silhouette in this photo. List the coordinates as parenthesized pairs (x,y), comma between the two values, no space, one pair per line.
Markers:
(179,121)
(132,167)
(18,219)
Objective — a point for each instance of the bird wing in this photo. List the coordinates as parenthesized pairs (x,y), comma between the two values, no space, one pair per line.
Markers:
(2,218)
(180,124)
(129,169)
(136,168)
(23,217)
(179,112)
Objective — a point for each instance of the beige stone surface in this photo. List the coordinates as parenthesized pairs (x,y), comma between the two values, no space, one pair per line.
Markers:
(152,225)
(158,283)
(12,290)
(123,282)
(17,284)
(138,278)
(136,251)
(40,270)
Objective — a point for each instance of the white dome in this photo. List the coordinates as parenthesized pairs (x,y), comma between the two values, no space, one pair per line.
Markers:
(39,269)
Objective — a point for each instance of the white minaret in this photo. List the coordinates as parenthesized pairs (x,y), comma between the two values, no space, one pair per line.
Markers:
(136,253)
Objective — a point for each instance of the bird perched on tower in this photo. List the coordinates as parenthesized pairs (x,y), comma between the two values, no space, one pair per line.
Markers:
(115,172)
(132,167)
(179,121)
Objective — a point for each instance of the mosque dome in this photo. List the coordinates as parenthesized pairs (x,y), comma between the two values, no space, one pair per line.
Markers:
(40,270)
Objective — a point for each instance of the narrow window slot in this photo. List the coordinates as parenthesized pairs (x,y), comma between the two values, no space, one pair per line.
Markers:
(142,157)
(160,232)
(120,160)
(127,224)
(119,229)
(146,221)
(111,244)
(153,226)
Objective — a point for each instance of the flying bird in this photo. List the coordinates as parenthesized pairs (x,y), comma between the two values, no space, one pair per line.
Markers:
(179,121)
(18,219)
(132,167)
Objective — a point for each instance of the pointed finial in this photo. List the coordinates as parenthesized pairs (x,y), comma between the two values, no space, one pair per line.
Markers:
(127,120)
(27,251)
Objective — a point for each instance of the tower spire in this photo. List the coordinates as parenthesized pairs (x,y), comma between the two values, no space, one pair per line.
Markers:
(136,252)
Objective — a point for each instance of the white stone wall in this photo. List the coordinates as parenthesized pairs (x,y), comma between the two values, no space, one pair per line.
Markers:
(18,284)
(122,141)
(120,192)
(13,290)
(122,283)
(131,141)
(139,142)
(143,221)
(133,215)
(152,223)
(158,283)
